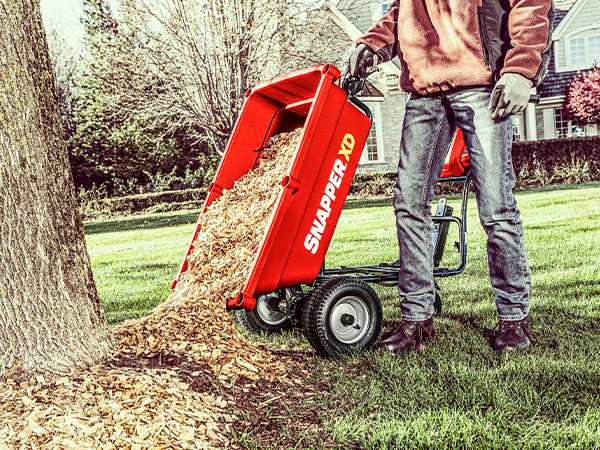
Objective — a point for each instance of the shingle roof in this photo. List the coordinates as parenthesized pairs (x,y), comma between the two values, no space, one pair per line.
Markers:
(563,4)
(559,15)
(556,84)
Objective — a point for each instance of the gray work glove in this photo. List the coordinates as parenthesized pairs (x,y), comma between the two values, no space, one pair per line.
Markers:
(510,95)
(361,61)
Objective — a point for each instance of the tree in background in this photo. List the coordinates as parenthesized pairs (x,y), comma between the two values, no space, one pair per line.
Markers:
(164,81)
(68,70)
(113,147)
(51,319)
(583,99)
(189,64)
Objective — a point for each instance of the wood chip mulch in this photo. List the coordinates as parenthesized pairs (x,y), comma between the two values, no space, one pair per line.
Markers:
(184,377)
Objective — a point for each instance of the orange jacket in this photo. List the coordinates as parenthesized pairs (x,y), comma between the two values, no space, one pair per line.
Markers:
(447,44)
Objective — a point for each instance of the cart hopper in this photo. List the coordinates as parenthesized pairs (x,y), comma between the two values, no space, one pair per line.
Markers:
(305,215)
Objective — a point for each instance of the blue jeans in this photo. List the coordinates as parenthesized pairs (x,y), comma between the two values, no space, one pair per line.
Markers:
(426,134)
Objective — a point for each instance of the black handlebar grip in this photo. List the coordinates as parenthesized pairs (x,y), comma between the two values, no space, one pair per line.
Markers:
(534,98)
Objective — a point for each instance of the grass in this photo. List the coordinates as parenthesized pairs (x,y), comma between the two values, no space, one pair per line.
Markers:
(136,258)
(458,393)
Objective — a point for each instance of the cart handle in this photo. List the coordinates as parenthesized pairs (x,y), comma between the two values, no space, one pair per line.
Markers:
(353,85)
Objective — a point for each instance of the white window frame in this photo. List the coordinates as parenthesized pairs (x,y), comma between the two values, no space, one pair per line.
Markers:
(374,104)
(577,54)
(377,10)
(518,127)
(593,31)
(564,122)
(572,129)
(384,12)
(549,108)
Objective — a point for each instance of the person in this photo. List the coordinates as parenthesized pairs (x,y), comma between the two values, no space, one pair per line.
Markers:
(470,65)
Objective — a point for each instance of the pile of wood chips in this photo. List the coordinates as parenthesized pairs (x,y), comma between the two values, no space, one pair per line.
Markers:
(112,407)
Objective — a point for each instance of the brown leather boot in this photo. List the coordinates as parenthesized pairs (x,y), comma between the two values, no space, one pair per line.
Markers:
(408,335)
(513,335)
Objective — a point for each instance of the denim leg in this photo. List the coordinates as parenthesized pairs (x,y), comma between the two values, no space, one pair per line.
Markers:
(489,145)
(426,134)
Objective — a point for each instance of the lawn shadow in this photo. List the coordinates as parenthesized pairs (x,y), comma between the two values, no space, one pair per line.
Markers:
(139,223)
(370,202)
(474,323)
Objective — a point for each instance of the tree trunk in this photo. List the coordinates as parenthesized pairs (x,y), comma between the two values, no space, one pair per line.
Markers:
(51,319)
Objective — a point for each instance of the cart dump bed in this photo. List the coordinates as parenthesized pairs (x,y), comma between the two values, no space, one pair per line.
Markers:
(334,132)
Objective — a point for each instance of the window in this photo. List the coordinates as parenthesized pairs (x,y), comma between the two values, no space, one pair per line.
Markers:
(379,9)
(565,128)
(517,128)
(594,48)
(373,150)
(371,145)
(582,52)
(561,124)
(577,51)
(391,80)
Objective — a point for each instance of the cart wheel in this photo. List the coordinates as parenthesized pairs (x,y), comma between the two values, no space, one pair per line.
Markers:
(437,305)
(342,315)
(261,318)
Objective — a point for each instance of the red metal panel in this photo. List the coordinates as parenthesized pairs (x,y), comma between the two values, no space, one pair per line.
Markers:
(292,205)
(457,160)
(328,194)
(333,135)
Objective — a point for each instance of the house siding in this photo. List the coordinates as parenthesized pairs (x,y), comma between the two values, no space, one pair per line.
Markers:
(393,109)
(585,24)
(539,122)
(359,12)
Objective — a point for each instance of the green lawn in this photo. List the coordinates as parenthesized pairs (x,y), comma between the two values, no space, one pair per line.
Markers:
(135,260)
(457,393)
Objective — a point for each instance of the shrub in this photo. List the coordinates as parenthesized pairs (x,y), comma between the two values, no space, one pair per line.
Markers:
(582,105)
(577,171)
(546,155)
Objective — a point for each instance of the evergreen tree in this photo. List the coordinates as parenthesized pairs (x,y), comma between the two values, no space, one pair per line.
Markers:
(110,144)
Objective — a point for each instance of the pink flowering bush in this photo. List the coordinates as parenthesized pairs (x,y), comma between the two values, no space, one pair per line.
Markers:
(583,100)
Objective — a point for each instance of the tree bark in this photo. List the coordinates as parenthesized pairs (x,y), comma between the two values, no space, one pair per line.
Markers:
(51,318)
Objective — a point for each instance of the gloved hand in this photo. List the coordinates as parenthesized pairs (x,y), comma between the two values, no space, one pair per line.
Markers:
(510,95)
(361,61)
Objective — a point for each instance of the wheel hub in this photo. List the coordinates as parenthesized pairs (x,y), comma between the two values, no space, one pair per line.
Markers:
(268,315)
(349,320)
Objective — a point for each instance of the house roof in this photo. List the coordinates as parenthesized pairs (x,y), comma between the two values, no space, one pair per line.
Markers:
(354,33)
(557,84)
(561,8)
(368,90)
(564,4)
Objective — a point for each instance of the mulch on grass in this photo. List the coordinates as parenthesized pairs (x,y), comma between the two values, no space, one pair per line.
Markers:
(184,377)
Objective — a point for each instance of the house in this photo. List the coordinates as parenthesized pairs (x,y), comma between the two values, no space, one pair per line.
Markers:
(576,46)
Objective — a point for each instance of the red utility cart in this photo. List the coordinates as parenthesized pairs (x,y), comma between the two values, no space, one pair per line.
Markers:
(340,313)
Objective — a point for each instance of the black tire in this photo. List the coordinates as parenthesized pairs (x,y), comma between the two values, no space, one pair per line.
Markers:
(437,305)
(261,319)
(333,312)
